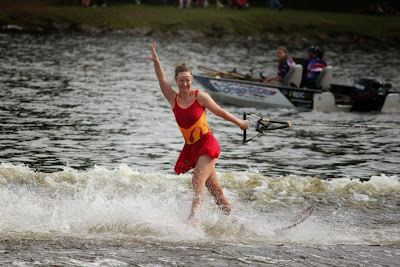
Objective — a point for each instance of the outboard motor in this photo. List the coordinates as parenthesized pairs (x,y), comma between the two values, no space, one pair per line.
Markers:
(368,95)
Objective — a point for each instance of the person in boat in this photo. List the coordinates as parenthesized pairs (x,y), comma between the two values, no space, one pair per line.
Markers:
(201,150)
(284,65)
(313,67)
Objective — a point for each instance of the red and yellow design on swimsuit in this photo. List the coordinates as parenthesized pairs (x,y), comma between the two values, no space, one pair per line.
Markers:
(199,140)
(196,131)
(192,121)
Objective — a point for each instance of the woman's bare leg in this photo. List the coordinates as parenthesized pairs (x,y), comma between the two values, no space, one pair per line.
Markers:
(204,168)
(215,189)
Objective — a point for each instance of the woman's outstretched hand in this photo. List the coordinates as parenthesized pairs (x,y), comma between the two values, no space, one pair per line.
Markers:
(244,124)
(154,56)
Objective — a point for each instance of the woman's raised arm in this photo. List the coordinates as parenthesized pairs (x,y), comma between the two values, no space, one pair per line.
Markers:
(166,88)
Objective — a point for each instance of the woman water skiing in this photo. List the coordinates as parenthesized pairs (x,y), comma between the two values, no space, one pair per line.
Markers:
(201,149)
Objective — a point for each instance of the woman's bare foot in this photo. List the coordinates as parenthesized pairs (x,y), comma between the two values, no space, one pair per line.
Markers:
(192,222)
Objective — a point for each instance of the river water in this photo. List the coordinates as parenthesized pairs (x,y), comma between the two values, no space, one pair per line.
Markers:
(88,145)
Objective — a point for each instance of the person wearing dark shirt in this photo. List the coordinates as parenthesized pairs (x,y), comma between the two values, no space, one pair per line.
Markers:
(313,67)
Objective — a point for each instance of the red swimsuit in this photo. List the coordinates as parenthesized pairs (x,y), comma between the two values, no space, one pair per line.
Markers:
(199,139)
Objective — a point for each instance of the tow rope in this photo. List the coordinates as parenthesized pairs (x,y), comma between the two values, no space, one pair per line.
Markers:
(264,125)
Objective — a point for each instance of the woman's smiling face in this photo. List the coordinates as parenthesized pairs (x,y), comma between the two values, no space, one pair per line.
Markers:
(184,81)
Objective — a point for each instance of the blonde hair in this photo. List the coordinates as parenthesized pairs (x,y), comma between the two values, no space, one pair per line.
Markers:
(283,49)
(282,61)
(182,68)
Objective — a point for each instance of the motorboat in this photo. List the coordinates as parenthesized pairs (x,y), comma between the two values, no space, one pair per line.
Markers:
(366,94)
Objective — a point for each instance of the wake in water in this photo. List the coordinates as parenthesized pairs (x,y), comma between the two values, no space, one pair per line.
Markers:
(123,203)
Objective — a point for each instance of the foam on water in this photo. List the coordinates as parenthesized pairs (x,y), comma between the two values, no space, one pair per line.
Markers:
(153,206)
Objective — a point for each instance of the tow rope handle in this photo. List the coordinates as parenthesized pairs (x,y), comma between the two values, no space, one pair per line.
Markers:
(266,128)
(263,126)
(244,131)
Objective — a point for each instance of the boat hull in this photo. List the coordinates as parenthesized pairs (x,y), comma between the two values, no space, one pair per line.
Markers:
(247,93)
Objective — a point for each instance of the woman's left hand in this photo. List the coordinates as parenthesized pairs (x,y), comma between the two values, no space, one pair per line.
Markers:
(244,124)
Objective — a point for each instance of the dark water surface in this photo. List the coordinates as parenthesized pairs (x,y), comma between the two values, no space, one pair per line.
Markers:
(93,100)
(88,145)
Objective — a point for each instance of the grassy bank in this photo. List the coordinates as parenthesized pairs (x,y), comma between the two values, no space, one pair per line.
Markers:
(208,21)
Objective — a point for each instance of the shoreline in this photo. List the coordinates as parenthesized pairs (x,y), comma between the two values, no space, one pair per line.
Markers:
(231,24)
(149,32)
